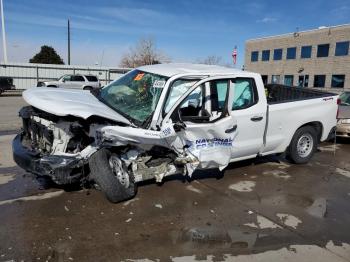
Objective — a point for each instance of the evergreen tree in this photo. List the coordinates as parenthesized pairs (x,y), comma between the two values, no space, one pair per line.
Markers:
(47,55)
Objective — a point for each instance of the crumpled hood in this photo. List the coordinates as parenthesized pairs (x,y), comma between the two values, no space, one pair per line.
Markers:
(64,102)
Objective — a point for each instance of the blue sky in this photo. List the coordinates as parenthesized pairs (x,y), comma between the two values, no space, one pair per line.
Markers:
(186,30)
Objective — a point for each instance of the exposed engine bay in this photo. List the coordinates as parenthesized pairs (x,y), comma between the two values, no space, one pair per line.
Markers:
(63,145)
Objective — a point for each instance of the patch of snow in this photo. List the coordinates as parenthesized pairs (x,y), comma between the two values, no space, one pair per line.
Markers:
(4,179)
(35,197)
(289,220)
(243,186)
(193,189)
(343,172)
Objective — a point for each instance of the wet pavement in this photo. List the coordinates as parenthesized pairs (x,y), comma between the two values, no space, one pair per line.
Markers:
(260,210)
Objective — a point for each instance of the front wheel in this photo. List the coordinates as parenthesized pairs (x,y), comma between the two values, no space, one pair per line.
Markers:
(110,174)
(303,145)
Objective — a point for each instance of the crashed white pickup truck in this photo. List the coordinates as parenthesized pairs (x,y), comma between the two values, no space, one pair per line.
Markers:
(160,120)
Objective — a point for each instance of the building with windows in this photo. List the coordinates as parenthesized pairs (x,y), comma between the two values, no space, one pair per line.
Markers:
(316,58)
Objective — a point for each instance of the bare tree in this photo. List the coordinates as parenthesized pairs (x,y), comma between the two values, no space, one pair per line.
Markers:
(144,53)
(211,60)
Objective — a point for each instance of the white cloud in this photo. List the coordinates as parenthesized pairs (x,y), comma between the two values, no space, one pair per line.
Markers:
(267,19)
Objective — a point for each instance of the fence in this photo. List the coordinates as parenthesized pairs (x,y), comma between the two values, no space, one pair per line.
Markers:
(27,75)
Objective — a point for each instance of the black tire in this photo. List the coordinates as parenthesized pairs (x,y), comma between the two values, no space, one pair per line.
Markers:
(297,156)
(89,88)
(102,174)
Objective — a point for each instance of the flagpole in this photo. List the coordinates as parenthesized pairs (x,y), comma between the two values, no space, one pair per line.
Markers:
(3,32)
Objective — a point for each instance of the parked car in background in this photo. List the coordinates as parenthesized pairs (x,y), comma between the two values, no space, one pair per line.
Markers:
(343,125)
(6,83)
(77,81)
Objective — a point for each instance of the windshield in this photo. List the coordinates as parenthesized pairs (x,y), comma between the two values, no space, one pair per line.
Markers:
(134,95)
(345,98)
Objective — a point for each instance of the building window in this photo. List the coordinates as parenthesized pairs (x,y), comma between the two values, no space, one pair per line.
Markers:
(265,55)
(323,50)
(303,81)
(277,54)
(306,51)
(275,79)
(338,81)
(319,80)
(288,80)
(342,48)
(291,52)
(254,56)
(264,79)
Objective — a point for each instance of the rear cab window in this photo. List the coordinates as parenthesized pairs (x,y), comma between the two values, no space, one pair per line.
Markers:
(91,78)
(246,93)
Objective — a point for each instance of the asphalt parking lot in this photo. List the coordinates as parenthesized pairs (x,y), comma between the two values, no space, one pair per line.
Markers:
(261,210)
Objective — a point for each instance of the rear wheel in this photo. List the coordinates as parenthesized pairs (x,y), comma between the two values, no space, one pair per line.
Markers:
(111,175)
(303,145)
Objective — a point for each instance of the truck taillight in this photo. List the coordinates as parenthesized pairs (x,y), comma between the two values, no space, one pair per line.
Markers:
(338,101)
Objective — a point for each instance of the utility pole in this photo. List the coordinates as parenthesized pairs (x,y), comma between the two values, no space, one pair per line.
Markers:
(3,32)
(68,42)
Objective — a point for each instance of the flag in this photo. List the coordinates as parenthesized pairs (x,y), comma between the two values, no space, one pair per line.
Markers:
(234,55)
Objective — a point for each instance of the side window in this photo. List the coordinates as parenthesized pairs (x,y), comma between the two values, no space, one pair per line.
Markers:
(78,78)
(178,88)
(67,78)
(218,93)
(192,108)
(193,104)
(245,94)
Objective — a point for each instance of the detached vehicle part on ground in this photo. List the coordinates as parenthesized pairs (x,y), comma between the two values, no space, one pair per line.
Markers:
(166,119)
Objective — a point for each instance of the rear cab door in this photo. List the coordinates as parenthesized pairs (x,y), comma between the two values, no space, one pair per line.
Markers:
(249,108)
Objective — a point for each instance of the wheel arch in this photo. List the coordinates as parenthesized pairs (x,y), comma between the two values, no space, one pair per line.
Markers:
(317,125)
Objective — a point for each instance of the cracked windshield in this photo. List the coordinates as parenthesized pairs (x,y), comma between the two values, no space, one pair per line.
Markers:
(135,95)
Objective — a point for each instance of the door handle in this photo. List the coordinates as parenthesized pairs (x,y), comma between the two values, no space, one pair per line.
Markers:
(230,130)
(256,118)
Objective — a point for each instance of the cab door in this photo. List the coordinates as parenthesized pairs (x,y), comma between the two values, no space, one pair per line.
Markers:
(205,129)
(249,109)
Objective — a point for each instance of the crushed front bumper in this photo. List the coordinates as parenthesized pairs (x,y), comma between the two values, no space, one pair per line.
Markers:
(61,169)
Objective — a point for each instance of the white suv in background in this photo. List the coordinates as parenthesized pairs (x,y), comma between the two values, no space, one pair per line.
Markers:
(86,82)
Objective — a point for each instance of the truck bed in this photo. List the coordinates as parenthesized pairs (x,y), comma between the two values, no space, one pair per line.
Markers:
(277,94)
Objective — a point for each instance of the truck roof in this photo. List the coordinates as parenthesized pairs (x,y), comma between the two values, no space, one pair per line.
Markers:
(172,69)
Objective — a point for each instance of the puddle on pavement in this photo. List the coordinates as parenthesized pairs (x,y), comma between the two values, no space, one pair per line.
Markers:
(318,208)
(287,200)
(243,186)
(329,148)
(233,238)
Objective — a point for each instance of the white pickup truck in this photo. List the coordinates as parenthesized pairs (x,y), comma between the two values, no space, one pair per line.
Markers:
(160,120)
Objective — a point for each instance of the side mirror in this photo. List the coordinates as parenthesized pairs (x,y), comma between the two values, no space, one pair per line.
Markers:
(63,80)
